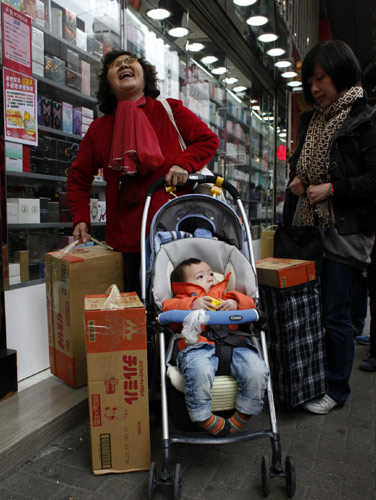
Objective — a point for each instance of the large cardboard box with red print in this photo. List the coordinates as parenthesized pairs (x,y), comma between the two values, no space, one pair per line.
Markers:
(69,276)
(118,382)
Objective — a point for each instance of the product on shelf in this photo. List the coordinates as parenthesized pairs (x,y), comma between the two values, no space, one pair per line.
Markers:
(22,258)
(102,211)
(73,79)
(56,115)
(58,70)
(43,204)
(13,156)
(95,46)
(53,211)
(27,210)
(57,21)
(69,25)
(94,210)
(81,39)
(12,212)
(48,67)
(37,51)
(67,117)
(85,75)
(14,273)
(77,121)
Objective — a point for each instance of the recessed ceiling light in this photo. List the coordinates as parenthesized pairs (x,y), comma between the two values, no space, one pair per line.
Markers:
(195,46)
(244,3)
(284,63)
(158,13)
(267,37)
(289,74)
(209,59)
(239,88)
(275,52)
(294,83)
(219,71)
(178,32)
(256,107)
(283,134)
(230,80)
(257,20)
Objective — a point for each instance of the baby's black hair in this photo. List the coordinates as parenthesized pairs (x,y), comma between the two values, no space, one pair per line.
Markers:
(178,274)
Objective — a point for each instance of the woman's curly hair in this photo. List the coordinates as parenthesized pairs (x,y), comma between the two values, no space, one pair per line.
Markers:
(106,98)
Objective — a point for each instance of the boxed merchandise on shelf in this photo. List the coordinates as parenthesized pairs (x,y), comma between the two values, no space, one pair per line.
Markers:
(81,39)
(95,47)
(43,204)
(58,70)
(85,76)
(73,79)
(117,383)
(69,277)
(67,117)
(102,211)
(69,25)
(53,211)
(13,156)
(48,67)
(94,210)
(12,212)
(73,60)
(14,273)
(57,21)
(22,258)
(56,115)
(27,210)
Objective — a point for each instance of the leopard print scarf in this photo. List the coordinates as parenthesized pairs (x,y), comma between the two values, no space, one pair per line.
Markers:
(313,163)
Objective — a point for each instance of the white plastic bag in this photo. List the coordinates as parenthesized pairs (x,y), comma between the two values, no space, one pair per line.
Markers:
(192,325)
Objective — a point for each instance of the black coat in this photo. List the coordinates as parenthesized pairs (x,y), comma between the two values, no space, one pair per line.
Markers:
(352,170)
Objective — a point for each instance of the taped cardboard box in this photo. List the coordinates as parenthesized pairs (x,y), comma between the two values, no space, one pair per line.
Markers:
(118,385)
(69,277)
(282,273)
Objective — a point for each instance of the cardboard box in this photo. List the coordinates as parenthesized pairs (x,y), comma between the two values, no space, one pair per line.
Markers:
(22,258)
(118,384)
(69,277)
(282,273)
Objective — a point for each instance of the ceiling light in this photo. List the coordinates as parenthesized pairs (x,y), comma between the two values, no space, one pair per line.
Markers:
(158,14)
(283,134)
(178,32)
(244,3)
(283,63)
(289,74)
(256,107)
(230,80)
(239,88)
(209,59)
(267,37)
(294,83)
(219,71)
(195,46)
(275,52)
(257,20)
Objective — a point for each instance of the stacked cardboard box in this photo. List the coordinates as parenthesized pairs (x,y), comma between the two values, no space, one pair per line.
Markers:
(68,278)
(118,383)
(283,273)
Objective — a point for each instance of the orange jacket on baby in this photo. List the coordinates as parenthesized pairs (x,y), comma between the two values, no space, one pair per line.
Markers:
(186,293)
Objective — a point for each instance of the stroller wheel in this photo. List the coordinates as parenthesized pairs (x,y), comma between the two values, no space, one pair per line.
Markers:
(177,482)
(265,475)
(152,483)
(290,477)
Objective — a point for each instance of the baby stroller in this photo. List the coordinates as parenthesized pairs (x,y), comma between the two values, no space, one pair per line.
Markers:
(176,233)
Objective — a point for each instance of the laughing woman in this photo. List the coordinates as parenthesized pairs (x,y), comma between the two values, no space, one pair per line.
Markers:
(135,143)
(333,172)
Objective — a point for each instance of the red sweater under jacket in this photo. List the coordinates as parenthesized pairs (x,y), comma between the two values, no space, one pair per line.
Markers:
(123,224)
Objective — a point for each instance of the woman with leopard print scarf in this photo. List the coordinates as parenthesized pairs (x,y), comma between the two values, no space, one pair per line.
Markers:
(333,171)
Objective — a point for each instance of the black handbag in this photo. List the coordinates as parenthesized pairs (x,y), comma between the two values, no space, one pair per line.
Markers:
(300,242)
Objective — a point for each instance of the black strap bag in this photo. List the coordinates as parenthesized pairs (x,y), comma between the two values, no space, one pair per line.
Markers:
(300,242)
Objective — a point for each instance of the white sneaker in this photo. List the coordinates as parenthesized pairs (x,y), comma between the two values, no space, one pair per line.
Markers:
(321,405)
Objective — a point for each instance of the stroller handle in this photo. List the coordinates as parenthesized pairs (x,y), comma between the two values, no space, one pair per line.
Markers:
(197,179)
(216,317)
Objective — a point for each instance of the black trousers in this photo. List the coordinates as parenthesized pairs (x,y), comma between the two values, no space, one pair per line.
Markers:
(132,262)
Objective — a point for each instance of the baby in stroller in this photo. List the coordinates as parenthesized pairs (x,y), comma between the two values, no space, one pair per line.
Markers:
(195,286)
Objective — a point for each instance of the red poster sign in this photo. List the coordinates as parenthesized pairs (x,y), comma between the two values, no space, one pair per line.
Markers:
(16,36)
(20,108)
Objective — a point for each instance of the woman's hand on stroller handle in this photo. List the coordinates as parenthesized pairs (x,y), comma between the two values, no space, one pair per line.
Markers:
(215,317)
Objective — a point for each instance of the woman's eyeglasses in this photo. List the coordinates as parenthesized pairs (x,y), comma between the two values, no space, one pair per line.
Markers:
(118,62)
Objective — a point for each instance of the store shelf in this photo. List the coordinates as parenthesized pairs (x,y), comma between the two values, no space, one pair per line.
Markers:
(60,133)
(48,225)
(75,97)
(85,55)
(43,177)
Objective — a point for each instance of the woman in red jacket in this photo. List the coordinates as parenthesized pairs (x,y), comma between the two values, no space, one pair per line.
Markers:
(135,143)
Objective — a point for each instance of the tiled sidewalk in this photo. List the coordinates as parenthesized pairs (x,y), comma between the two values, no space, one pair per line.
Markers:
(334,455)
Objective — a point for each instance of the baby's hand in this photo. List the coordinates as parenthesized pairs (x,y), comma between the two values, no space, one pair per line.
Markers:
(202,303)
(228,305)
